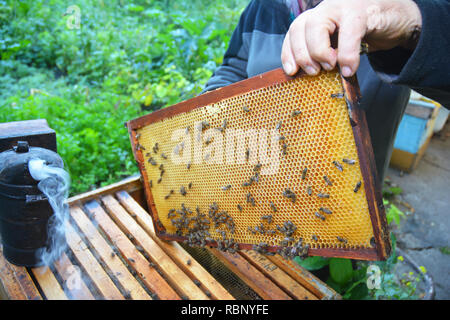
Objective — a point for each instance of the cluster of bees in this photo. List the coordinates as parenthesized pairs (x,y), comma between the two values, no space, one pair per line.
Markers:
(196,227)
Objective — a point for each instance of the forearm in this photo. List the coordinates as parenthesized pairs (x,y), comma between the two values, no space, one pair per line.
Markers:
(426,68)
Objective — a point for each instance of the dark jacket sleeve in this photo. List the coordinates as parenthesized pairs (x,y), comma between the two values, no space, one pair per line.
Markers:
(427,68)
(234,65)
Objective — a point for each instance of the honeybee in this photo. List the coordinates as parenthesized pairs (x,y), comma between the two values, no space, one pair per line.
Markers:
(250,199)
(167,196)
(289,194)
(284,147)
(327,180)
(246,108)
(320,216)
(348,161)
(323,195)
(151,183)
(247,183)
(190,185)
(304,173)
(138,135)
(339,95)
(247,154)
(309,190)
(358,185)
(325,210)
(156,148)
(272,205)
(341,239)
(279,124)
(208,141)
(152,161)
(295,113)
(163,156)
(188,166)
(338,166)
(314,237)
(183,191)
(257,167)
(139,147)
(204,125)
(227,187)
(159,180)
(268,218)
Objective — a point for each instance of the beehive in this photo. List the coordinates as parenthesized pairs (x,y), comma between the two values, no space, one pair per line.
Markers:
(248,148)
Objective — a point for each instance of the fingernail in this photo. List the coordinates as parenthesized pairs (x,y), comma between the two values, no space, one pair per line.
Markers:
(346,71)
(288,68)
(326,66)
(310,70)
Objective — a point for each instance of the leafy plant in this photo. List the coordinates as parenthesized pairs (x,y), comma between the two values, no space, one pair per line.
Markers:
(126,59)
(351,278)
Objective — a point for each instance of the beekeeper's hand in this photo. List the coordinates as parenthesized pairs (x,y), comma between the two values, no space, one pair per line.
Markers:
(382,24)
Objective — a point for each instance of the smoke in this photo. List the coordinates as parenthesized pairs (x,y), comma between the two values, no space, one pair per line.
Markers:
(54,182)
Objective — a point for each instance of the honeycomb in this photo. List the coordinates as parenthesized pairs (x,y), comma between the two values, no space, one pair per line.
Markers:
(301,123)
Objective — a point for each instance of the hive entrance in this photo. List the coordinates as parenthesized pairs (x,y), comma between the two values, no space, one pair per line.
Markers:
(264,162)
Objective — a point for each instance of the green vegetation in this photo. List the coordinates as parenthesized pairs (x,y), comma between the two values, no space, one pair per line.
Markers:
(352,278)
(126,59)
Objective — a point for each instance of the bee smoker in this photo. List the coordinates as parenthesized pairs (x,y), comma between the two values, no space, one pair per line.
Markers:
(24,209)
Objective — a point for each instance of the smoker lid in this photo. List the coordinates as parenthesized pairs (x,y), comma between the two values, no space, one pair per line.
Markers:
(14,163)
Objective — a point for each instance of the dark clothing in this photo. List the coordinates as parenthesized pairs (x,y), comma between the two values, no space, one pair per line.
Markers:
(427,68)
(255,48)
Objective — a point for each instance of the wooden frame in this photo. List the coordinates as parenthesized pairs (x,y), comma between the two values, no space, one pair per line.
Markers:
(381,249)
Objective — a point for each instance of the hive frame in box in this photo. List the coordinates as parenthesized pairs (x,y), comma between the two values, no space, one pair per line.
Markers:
(381,248)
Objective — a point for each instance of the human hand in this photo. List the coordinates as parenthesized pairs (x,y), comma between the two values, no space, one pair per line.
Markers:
(382,24)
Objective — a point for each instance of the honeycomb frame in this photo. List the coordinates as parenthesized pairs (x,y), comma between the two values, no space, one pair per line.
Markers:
(210,105)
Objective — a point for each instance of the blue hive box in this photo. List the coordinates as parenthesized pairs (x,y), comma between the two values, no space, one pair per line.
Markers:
(414,134)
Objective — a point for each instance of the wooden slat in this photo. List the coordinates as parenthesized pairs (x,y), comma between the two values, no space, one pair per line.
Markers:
(48,283)
(9,284)
(177,278)
(27,284)
(149,276)
(256,280)
(194,269)
(306,278)
(106,254)
(129,184)
(64,267)
(95,271)
(278,276)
